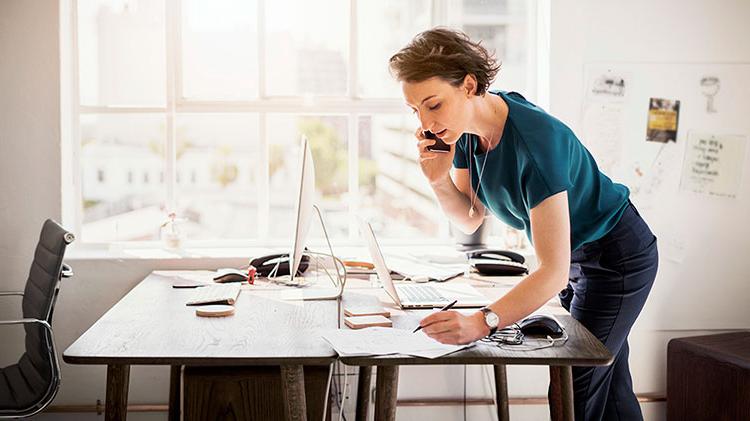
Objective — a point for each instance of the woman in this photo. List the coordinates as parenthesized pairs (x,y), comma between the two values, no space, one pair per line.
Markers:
(529,170)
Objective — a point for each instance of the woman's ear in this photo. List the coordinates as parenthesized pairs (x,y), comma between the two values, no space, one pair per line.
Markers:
(470,85)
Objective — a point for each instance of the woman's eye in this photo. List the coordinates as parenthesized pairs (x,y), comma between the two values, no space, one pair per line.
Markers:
(435,107)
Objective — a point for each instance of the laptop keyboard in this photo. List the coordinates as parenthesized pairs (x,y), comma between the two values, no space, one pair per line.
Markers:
(420,294)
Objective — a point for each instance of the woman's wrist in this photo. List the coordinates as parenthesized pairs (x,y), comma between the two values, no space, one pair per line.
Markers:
(480,324)
(441,182)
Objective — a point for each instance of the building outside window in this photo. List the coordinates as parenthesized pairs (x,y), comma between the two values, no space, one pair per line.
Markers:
(214,96)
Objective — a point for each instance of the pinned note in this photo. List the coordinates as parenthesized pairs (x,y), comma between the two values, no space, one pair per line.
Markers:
(713,164)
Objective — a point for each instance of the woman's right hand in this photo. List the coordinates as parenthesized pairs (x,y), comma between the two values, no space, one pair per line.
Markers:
(436,166)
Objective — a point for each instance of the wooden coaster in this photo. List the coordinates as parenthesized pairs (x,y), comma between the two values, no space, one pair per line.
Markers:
(214,311)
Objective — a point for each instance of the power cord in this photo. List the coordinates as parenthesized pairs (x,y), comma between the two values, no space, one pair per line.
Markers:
(342,403)
(464,392)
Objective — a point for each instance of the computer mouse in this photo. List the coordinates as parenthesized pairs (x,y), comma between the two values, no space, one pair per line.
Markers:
(540,325)
(420,279)
(230,275)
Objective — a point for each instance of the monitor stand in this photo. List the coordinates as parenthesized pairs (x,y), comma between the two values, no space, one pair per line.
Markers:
(332,293)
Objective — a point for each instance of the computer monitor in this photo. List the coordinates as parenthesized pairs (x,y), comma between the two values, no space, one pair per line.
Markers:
(304,206)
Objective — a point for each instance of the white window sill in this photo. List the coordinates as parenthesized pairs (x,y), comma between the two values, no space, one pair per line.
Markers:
(216,251)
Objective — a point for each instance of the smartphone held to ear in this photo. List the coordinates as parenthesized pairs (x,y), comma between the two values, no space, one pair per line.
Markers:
(439,145)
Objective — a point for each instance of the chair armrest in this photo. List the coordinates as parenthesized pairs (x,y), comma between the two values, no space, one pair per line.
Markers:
(26,321)
(9,293)
(66,272)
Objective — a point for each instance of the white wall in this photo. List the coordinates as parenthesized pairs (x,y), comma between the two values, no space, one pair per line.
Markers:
(29,130)
(582,31)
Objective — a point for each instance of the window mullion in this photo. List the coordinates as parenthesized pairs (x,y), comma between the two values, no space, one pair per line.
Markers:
(264,196)
(170,155)
(177,51)
(353,124)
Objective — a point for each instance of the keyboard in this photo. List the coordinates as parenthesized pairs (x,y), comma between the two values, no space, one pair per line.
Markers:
(214,294)
(420,294)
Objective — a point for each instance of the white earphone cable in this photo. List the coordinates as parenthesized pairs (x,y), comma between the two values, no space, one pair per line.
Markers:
(481,172)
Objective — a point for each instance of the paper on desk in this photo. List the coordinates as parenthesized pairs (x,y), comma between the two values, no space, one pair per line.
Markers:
(385,341)
(198,276)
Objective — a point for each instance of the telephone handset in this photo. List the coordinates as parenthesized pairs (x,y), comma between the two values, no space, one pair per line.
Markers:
(497,262)
(439,145)
(266,264)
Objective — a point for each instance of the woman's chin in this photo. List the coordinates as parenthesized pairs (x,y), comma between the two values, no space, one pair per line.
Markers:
(450,138)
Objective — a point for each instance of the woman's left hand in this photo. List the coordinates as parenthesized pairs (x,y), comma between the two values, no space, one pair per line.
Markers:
(452,327)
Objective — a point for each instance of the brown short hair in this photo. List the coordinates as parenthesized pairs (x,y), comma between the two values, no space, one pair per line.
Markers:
(447,54)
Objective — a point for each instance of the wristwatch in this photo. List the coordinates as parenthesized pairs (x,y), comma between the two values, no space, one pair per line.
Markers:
(491,319)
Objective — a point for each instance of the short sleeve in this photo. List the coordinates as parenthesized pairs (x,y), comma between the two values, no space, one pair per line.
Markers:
(548,169)
(460,158)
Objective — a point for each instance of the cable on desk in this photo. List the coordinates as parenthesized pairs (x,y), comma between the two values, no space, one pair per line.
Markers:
(512,338)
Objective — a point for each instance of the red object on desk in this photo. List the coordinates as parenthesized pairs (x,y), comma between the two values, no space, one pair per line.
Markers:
(251,271)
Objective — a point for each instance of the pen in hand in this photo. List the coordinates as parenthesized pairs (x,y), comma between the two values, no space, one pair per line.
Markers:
(447,307)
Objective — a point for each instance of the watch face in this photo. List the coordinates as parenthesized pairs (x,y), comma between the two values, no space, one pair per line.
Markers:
(491,319)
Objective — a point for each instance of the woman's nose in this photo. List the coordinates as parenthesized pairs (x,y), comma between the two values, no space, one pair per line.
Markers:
(426,124)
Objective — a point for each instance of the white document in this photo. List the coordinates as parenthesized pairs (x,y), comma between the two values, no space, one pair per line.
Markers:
(386,341)
(603,133)
(713,164)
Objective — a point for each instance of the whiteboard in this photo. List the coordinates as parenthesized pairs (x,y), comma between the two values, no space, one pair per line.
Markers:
(704,232)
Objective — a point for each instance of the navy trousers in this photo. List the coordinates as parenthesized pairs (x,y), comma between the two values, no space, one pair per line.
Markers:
(609,282)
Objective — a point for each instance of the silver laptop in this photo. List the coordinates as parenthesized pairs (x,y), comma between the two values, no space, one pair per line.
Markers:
(420,296)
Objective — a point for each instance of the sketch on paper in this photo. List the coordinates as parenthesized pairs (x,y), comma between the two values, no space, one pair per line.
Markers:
(663,117)
(709,88)
(713,164)
(608,85)
(647,179)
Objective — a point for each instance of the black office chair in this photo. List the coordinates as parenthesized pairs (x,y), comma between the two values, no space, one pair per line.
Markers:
(26,388)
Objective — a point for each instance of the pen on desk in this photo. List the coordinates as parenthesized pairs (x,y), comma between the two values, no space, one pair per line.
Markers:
(447,307)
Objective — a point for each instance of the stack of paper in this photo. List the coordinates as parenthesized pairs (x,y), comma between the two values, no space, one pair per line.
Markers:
(385,341)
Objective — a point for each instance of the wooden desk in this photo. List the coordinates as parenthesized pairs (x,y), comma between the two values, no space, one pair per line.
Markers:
(151,325)
(581,349)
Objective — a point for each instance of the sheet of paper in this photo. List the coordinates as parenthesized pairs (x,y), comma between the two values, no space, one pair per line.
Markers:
(713,164)
(603,128)
(386,341)
(202,276)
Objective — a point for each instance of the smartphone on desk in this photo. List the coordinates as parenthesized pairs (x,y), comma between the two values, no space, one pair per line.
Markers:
(439,145)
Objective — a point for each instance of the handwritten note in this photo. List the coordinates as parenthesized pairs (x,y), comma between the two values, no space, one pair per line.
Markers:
(603,127)
(713,164)
(385,341)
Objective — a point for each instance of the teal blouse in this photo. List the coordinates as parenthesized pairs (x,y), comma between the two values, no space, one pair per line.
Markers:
(537,157)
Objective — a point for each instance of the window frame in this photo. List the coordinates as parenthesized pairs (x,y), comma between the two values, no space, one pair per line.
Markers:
(350,105)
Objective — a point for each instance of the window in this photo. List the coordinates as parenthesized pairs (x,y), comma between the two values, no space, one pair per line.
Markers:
(197,108)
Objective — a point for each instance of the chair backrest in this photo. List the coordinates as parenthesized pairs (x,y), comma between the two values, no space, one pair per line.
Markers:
(38,365)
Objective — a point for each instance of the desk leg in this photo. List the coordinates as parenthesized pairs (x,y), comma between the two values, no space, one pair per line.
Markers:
(561,393)
(386,385)
(363,393)
(118,381)
(175,375)
(501,392)
(293,392)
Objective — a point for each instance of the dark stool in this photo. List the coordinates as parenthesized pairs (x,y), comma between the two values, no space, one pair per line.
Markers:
(708,377)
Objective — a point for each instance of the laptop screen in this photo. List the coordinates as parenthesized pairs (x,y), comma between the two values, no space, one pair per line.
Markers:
(379,261)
